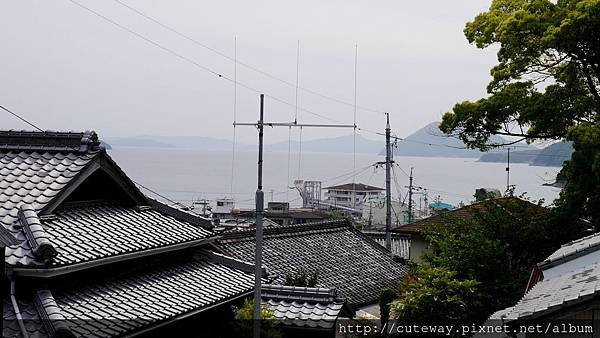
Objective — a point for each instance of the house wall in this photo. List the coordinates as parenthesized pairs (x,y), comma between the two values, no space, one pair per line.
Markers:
(344,197)
(572,265)
(375,208)
(418,246)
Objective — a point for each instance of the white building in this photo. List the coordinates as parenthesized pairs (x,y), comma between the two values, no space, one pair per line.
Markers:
(351,195)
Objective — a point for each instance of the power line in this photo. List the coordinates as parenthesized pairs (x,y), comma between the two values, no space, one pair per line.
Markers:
(255,69)
(20,118)
(158,194)
(196,64)
(465,148)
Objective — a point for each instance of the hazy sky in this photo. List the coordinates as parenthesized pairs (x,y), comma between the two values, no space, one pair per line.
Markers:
(67,69)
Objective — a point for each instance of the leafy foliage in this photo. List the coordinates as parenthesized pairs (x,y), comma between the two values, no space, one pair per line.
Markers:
(546,85)
(478,264)
(497,247)
(244,318)
(302,278)
(580,196)
(386,296)
(434,296)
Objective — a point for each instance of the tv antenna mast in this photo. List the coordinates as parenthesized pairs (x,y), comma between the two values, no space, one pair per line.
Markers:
(260,203)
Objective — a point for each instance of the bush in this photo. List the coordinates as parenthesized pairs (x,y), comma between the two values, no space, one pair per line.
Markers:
(245,315)
(302,278)
(386,297)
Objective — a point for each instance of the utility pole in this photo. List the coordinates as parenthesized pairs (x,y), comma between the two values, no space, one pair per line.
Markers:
(388,185)
(410,195)
(426,201)
(508,171)
(260,204)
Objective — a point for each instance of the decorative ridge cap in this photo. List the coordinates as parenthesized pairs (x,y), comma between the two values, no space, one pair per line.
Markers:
(230,262)
(301,294)
(179,214)
(246,235)
(53,141)
(382,233)
(35,233)
(51,315)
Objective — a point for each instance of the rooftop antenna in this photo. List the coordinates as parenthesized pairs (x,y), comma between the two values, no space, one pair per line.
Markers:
(388,185)
(295,121)
(354,132)
(234,114)
(260,202)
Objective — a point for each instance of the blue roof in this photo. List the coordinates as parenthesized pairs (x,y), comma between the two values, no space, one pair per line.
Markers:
(441,205)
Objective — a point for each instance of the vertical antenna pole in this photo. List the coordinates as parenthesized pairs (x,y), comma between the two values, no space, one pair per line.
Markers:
(234,114)
(259,225)
(388,185)
(354,132)
(295,120)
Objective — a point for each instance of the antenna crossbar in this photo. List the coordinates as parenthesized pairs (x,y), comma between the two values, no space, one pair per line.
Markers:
(292,124)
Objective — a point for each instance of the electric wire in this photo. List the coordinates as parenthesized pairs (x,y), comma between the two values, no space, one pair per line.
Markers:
(253,68)
(20,118)
(197,64)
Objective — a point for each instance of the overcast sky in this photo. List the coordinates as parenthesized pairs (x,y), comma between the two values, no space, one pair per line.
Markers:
(64,68)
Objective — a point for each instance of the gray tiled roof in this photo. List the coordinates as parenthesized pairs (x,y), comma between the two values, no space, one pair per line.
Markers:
(400,244)
(573,249)
(136,299)
(82,234)
(304,307)
(343,257)
(37,167)
(33,324)
(34,179)
(550,295)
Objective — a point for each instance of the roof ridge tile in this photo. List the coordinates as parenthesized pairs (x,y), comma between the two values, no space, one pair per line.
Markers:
(35,233)
(51,315)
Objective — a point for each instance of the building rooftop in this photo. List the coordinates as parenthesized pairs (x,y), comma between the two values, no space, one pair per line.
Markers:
(551,295)
(90,254)
(343,257)
(354,187)
(316,308)
(466,212)
(572,250)
(132,300)
(42,174)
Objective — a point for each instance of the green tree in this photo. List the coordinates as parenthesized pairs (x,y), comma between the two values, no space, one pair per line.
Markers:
(386,297)
(546,85)
(497,247)
(435,296)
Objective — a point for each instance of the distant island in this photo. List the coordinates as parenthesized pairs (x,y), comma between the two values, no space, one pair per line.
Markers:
(428,141)
(551,156)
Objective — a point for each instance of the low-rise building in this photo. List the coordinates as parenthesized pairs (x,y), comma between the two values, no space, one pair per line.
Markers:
(563,289)
(342,257)
(94,256)
(416,230)
(351,195)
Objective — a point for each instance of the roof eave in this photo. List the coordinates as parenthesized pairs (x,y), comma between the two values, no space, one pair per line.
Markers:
(186,315)
(58,271)
(563,259)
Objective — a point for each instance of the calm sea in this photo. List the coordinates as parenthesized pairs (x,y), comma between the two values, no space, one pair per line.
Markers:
(185,175)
